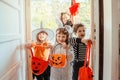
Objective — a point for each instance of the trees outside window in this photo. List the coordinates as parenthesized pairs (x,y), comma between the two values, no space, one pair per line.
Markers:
(45,13)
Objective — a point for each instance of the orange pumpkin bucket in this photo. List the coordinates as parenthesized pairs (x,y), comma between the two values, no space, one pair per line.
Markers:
(58,57)
(58,60)
(38,65)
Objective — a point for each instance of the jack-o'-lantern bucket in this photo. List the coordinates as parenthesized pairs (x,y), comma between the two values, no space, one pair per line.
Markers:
(58,57)
(38,65)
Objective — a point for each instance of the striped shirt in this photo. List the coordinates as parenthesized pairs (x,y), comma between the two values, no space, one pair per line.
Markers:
(79,49)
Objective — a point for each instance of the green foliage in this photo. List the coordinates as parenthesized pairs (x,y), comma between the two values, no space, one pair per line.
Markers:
(46,11)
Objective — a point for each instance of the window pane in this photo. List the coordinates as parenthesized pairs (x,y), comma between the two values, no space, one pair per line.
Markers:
(46,13)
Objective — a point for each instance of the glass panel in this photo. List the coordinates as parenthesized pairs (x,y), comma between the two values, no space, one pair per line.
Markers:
(46,13)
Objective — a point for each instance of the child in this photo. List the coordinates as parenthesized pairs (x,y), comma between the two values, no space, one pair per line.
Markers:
(67,22)
(66,19)
(64,73)
(41,36)
(79,46)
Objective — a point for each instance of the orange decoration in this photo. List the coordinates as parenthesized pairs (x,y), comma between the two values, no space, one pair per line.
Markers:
(74,9)
(58,60)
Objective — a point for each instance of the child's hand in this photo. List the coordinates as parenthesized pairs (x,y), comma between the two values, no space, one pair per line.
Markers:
(28,45)
(86,41)
(49,46)
(64,45)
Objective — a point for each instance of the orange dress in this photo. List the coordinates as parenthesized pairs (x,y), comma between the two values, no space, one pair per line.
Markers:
(40,51)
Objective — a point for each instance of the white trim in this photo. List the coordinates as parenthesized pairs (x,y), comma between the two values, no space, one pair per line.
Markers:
(10,71)
(28,36)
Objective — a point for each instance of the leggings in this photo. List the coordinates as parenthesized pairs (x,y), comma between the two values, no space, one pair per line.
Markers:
(44,76)
(76,66)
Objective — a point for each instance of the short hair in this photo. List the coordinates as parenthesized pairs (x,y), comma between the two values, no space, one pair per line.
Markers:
(76,26)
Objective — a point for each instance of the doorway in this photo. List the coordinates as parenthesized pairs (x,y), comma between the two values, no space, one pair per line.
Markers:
(46,14)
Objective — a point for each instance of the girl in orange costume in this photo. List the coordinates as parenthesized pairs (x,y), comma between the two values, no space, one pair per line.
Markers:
(41,49)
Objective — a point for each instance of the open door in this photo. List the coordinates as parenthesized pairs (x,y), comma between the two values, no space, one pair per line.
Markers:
(12,35)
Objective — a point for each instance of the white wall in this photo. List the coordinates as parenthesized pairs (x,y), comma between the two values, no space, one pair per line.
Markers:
(111,19)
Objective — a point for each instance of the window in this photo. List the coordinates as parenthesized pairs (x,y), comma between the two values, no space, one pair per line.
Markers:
(45,13)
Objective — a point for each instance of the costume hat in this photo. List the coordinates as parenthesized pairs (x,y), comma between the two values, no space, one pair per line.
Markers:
(48,31)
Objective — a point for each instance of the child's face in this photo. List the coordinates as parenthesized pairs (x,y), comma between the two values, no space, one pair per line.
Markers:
(80,32)
(65,17)
(61,38)
(42,36)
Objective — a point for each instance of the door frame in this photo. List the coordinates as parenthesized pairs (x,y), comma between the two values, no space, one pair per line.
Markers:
(101,35)
(28,37)
(101,39)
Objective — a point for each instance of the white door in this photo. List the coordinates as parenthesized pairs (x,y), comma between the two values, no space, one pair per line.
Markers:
(12,35)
